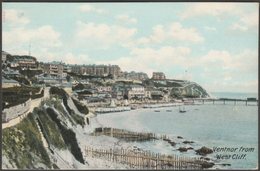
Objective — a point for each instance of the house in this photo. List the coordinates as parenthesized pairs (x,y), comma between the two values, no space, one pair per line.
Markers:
(4,56)
(104,88)
(54,69)
(97,70)
(6,83)
(158,76)
(156,94)
(10,73)
(136,91)
(24,62)
(51,80)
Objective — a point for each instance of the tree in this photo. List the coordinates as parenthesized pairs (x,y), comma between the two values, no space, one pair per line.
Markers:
(125,96)
(68,78)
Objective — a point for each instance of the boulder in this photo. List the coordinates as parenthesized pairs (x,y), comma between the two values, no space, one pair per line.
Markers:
(188,142)
(204,151)
(182,149)
(172,143)
(205,165)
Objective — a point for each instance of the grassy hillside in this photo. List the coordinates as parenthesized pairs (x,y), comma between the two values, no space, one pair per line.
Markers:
(23,147)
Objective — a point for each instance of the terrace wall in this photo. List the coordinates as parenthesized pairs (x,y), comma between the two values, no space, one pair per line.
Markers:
(15,111)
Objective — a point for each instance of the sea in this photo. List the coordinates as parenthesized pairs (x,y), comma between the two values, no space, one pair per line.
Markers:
(210,125)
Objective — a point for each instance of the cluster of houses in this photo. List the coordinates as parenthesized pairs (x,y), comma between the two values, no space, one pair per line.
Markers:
(121,91)
(123,85)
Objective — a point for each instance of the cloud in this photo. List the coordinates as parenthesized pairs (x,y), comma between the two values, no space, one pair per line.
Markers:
(244,62)
(126,19)
(149,59)
(208,28)
(15,17)
(247,21)
(71,58)
(87,8)
(212,9)
(42,40)
(223,69)
(172,32)
(42,36)
(104,35)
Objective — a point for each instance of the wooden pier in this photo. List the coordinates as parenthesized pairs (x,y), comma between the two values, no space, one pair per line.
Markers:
(145,159)
(224,101)
(126,135)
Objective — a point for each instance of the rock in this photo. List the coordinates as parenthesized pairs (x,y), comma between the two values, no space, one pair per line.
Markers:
(190,148)
(179,137)
(207,165)
(204,151)
(172,143)
(169,141)
(226,164)
(188,142)
(205,158)
(182,149)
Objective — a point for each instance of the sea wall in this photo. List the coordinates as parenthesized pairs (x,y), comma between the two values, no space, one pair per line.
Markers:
(15,111)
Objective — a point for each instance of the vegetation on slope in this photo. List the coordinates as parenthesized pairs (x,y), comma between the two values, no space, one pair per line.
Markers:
(62,94)
(68,136)
(51,129)
(23,147)
(81,107)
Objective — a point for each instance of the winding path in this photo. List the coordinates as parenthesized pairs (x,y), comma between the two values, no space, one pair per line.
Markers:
(34,103)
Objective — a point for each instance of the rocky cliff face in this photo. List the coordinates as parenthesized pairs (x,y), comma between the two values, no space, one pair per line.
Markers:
(45,139)
(189,89)
(179,88)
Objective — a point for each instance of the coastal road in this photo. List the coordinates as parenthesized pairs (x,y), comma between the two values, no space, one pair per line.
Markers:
(34,103)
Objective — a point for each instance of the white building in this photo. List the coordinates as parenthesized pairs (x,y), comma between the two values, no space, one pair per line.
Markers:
(4,55)
(136,91)
(54,69)
(104,88)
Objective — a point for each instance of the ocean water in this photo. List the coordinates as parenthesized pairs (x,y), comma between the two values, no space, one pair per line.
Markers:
(233,95)
(208,125)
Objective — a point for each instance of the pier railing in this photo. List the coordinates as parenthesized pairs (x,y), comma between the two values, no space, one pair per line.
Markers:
(144,159)
(223,101)
(127,135)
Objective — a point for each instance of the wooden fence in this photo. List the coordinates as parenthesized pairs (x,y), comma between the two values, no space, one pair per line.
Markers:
(127,135)
(144,159)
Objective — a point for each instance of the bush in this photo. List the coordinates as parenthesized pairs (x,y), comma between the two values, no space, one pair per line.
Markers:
(58,91)
(78,87)
(81,107)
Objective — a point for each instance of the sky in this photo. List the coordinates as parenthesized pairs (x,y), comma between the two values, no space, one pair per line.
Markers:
(212,44)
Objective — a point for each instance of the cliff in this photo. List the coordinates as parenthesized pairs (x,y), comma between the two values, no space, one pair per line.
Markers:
(179,88)
(47,137)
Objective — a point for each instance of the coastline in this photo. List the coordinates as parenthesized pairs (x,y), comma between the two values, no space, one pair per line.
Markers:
(107,121)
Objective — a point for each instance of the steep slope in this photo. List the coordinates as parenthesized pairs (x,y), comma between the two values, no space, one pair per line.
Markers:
(179,88)
(45,139)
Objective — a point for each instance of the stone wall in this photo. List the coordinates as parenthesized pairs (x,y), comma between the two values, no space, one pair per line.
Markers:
(15,111)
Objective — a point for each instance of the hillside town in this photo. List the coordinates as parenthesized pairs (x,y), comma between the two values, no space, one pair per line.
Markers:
(101,88)
(95,84)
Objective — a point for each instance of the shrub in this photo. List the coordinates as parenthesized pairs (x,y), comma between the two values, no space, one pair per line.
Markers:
(81,107)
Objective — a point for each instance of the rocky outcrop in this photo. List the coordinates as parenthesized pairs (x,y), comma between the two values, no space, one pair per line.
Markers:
(204,151)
